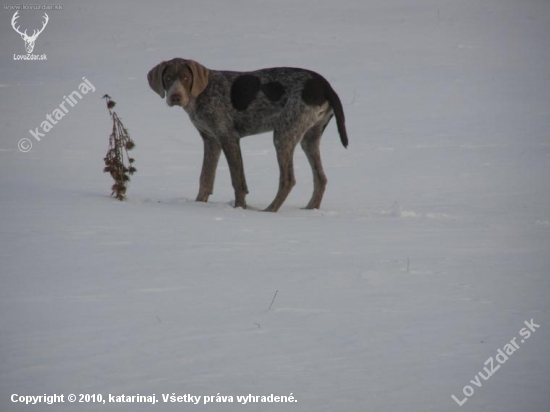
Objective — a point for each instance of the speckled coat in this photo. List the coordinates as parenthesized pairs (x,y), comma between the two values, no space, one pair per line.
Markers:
(224,106)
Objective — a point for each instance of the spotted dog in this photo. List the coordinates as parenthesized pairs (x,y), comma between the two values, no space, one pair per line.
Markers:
(296,104)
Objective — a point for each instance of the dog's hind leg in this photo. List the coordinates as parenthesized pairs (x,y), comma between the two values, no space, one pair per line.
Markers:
(285,143)
(310,144)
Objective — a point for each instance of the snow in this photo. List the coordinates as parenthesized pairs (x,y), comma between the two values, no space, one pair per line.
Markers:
(429,253)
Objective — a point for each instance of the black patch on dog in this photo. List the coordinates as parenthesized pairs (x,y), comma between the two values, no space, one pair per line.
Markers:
(314,92)
(273,91)
(244,90)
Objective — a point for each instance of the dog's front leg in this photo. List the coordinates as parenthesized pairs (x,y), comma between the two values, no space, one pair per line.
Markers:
(212,150)
(232,150)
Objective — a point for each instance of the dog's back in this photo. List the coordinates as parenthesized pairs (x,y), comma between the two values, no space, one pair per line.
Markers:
(255,100)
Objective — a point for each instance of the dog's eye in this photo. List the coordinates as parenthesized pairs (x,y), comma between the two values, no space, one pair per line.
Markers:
(185,78)
(168,78)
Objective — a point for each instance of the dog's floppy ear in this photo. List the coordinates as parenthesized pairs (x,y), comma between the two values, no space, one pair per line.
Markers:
(155,78)
(200,77)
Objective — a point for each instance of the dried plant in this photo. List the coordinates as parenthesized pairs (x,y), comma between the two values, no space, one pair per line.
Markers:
(119,145)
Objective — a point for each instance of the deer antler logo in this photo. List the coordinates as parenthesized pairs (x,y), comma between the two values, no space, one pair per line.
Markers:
(29,40)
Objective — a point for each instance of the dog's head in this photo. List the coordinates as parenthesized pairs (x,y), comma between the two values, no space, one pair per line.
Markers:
(179,79)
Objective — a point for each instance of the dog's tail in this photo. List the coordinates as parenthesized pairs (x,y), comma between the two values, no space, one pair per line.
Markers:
(336,104)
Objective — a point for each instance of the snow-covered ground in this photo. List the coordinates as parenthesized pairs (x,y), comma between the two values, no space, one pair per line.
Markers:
(430,251)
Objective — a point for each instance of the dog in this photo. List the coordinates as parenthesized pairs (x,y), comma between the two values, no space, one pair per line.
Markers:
(296,104)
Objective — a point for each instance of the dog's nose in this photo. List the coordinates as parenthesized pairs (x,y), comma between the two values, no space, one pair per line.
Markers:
(175,98)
